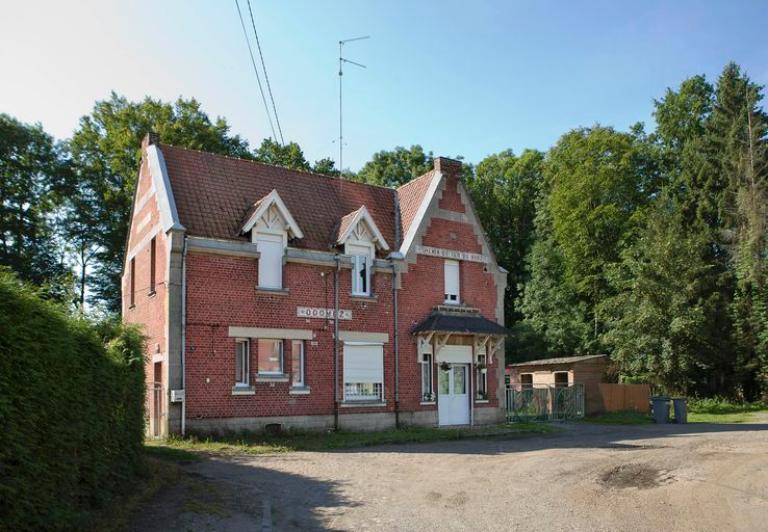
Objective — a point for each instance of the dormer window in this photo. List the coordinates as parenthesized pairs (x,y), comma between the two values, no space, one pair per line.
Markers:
(271,224)
(360,237)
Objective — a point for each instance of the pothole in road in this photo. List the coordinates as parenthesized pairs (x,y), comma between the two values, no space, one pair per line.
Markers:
(633,476)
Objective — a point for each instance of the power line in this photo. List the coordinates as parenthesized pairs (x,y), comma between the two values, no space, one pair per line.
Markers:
(255,69)
(266,76)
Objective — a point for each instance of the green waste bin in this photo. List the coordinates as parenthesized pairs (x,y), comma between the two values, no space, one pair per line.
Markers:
(680,404)
(660,409)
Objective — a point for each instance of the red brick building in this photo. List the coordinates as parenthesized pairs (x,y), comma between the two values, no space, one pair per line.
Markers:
(275,296)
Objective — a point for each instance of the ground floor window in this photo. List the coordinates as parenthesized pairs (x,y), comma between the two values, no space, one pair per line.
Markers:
(561,379)
(363,371)
(482,377)
(526,380)
(270,357)
(427,390)
(242,358)
(297,363)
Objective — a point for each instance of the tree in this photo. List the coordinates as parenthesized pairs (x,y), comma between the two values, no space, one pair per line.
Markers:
(396,167)
(106,152)
(325,166)
(503,189)
(658,321)
(33,170)
(287,155)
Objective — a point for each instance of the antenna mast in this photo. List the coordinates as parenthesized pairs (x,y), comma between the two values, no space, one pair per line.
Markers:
(342,60)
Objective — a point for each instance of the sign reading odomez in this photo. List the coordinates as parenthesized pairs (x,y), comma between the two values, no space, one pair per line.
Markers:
(322,313)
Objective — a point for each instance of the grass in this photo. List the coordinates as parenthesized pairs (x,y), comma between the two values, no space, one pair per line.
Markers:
(629,417)
(259,443)
(718,410)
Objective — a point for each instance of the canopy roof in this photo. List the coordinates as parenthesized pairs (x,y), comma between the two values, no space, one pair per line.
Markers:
(459,324)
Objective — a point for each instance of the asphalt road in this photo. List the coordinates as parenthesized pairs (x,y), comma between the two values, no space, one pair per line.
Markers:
(671,477)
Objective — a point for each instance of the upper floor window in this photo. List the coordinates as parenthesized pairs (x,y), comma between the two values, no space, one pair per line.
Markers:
(451,274)
(360,237)
(132,273)
(361,268)
(270,249)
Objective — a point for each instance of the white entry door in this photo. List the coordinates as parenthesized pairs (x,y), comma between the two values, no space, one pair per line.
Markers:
(453,395)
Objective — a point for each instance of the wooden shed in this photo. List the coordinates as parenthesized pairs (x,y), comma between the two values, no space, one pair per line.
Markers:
(589,370)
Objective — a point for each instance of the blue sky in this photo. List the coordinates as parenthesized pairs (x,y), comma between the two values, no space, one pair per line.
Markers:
(460,78)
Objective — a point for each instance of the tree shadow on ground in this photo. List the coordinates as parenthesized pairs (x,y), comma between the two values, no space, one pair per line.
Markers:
(226,494)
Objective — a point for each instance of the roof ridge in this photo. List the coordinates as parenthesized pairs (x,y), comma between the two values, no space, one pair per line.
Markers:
(261,163)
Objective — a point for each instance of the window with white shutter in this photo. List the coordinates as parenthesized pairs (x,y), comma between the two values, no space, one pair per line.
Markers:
(270,248)
(451,273)
(363,371)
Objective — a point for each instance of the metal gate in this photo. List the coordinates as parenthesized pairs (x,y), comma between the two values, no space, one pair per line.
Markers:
(545,403)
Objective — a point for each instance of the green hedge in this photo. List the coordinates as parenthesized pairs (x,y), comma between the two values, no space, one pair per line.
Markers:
(71,412)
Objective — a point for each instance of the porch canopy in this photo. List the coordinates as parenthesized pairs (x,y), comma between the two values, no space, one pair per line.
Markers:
(445,323)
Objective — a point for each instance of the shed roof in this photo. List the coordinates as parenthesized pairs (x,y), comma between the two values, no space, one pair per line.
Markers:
(559,360)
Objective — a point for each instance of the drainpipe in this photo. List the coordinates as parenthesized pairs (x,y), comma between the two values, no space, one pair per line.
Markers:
(336,343)
(397,346)
(183,335)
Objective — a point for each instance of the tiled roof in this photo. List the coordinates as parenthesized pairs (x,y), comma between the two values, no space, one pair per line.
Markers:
(411,196)
(214,193)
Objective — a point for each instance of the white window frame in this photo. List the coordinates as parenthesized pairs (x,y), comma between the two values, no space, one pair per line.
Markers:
(362,263)
(281,343)
(245,362)
(377,386)
(301,381)
(427,369)
(451,277)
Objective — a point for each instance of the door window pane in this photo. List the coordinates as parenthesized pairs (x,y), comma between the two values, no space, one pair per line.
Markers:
(459,380)
(270,356)
(442,381)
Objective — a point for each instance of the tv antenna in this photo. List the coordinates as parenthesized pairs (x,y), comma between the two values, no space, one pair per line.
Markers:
(343,60)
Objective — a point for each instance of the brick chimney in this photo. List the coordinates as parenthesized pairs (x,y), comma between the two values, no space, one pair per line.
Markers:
(446,166)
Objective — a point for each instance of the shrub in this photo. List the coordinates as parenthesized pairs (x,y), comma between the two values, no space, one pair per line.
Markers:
(720,405)
(71,412)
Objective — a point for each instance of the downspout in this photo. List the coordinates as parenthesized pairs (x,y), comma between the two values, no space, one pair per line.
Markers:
(183,335)
(336,344)
(395,312)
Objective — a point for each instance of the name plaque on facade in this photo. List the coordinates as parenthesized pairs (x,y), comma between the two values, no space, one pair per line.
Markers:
(322,313)
(450,254)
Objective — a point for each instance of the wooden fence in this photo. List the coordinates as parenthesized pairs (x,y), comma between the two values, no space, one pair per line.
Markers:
(621,397)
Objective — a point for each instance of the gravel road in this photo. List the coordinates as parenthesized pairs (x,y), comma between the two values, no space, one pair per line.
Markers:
(692,477)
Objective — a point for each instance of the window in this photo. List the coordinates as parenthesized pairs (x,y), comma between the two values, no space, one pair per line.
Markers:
(152,262)
(561,379)
(242,359)
(363,372)
(361,268)
(270,361)
(297,363)
(452,282)
(526,380)
(361,276)
(133,282)
(482,376)
(270,248)
(427,392)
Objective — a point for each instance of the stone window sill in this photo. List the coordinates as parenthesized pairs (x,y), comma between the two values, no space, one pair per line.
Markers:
(362,404)
(481,401)
(299,390)
(361,297)
(261,290)
(243,390)
(428,403)
(272,378)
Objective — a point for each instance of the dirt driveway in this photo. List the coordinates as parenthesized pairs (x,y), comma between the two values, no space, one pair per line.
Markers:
(587,477)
